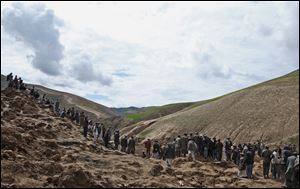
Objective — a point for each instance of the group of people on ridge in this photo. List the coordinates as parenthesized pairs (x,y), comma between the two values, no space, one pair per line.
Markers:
(16,82)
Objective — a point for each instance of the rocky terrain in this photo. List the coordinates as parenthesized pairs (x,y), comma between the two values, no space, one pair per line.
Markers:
(39,149)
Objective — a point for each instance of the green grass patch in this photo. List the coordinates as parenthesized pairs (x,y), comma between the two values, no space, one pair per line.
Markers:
(153,112)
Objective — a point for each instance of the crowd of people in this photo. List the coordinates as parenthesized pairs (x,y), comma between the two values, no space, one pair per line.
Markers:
(16,82)
(284,163)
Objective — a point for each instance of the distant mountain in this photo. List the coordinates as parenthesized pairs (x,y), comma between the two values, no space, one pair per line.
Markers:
(152,112)
(128,110)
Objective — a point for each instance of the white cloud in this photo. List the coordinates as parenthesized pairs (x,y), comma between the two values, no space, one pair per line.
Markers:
(36,27)
(152,53)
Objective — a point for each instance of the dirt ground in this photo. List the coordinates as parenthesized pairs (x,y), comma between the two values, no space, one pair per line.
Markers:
(39,149)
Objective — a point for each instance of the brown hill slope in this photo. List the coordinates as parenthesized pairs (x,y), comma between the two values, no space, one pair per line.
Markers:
(39,149)
(67,100)
(92,109)
(268,111)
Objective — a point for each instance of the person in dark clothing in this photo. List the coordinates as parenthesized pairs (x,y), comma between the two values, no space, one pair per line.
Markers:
(103,130)
(47,101)
(258,148)
(178,146)
(210,148)
(77,117)
(249,161)
(219,148)
(117,139)
(162,153)
(184,144)
(85,127)
(20,83)
(131,145)
(214,149)
(292,162)
(148,147)
(201,146)
(72,114)
(205,147)
(236,155)
(15,82)
(107,137)
(9,77)
(44,96)
(228,145)
(170,153)
(69,113)
(197,141)
(156,150)
(124,144)
(266,155)
(63,114)
(98,128)
(286,153)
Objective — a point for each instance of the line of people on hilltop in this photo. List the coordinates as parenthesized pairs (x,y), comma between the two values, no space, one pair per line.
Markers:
(15,82)
(98,130)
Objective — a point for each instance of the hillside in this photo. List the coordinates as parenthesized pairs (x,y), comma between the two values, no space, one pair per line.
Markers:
(67,100)
(39,149)
(267,111)
(92,109)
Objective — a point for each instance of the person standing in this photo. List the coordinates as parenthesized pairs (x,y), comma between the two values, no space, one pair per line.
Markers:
(81,119)
(85,126)
(228,145)
(192,148)
(107,137)
(148,145)
(131,145)
(266,155)
(178,146)
(219,148)
(124,143)
(170,153)
(117,139)
(156,150)
(275,163)
(249,161)
(184,144)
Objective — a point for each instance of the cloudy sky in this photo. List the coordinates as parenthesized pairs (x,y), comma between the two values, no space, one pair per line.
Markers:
(149,53)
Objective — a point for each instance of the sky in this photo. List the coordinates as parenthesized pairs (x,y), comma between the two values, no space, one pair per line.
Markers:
(123,54)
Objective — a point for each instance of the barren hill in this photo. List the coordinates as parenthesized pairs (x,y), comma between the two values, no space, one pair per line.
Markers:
(67,100)
(267,111)
(94,110)
(39,149)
